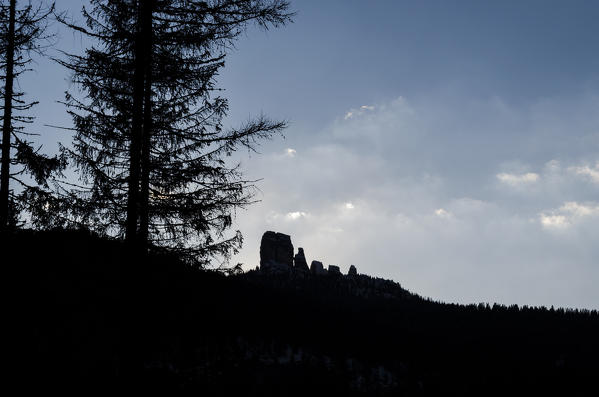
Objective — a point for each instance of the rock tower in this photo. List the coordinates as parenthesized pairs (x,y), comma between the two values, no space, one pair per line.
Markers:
(276,251)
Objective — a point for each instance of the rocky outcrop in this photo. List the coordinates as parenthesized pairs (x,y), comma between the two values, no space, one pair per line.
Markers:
(276,251)
(300,261)
(276,255)
(334,270)
(317,268)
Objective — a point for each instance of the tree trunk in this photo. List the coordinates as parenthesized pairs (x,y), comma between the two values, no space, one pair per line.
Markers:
(144,215)
(136,133)
(7,120)
(132,291)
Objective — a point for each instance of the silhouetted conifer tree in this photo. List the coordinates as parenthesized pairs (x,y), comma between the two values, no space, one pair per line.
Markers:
(149,141)
(22,33)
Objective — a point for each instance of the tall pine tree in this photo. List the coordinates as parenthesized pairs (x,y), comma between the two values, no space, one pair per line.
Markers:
(149,141)
(22,34)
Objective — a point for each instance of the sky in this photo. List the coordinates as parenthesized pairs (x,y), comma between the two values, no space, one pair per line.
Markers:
(450,146)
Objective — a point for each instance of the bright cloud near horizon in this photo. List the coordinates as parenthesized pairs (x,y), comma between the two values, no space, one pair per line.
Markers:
(450,146)
(471,219)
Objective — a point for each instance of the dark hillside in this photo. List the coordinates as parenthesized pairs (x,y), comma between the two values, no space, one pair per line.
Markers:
(87,315)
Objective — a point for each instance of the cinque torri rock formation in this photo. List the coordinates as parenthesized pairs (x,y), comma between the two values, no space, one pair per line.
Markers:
(281,269)
(276,256)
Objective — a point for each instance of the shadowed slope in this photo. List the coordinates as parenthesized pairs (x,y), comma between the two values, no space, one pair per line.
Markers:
(86,312)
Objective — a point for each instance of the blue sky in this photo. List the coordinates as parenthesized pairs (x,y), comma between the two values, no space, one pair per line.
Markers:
(450,146)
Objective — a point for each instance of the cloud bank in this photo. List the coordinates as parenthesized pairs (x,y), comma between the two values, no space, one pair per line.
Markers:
(459,200)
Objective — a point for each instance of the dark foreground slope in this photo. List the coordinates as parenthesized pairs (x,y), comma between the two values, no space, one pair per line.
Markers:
(85,315)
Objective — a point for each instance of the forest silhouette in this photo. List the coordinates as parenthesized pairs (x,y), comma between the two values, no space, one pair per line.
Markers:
(108,285)
(82,325)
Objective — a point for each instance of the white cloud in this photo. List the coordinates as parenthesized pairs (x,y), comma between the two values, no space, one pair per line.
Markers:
(568,214)
(296,215)
(590,172)
(290,152)
(349,206)
(554,221)
(580,210)
(518,179)
(442,213)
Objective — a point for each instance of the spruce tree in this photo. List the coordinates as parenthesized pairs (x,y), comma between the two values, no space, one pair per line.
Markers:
(149,143)
(22,34)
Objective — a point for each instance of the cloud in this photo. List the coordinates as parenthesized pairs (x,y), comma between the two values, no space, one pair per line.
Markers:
(295,215)
(554,221)
(518,179)
(568,215)
(580,210)
(358,112)
(442,213)
(592,173)
(427,177)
